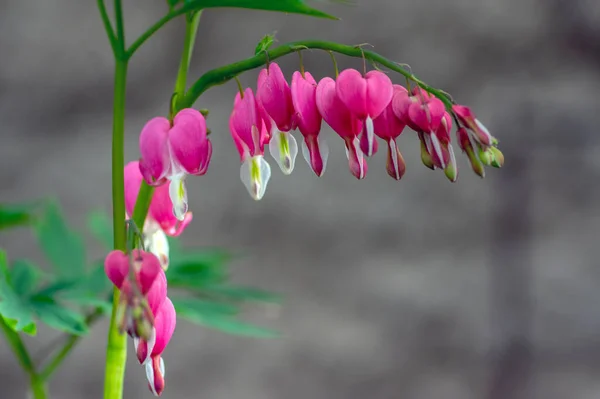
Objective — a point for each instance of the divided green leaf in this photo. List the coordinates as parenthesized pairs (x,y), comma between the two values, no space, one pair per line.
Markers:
(14,215)
(62,246)
(265,43)
(287,6)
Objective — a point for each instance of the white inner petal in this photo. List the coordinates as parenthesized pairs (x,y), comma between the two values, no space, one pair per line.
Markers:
(158,244)
(394,156)
(150,345)
(438,149)
(178,195)
(150,377)
(370,135)
(284,148)
(162,367)
(255,173)
(324,149)
(482,127)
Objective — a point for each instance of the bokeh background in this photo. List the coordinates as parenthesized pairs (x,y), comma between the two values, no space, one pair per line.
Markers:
(419,289)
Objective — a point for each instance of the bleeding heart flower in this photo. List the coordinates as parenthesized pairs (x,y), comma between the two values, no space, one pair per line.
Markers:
(366,97)
(250,136)
(165,321)
(388,127)
(344,123)
(274,96)
(304,98)
(172,152)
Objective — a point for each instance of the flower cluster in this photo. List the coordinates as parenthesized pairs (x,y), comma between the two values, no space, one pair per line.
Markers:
(359,108)
(144,309)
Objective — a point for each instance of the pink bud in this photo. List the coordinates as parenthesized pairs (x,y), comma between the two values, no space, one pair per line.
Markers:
(190,146)
(304,98)
(146,268)
(273,93)
(343,122)
(427,115)
(466,116)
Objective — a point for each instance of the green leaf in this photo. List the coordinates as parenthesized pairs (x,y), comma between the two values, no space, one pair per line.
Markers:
(100,226)
(13,215)
(194,270)
(24,276)
(287,6)
(58,316)
(12,307)
(29,329)
(63,247)
(264,44)
(219,317)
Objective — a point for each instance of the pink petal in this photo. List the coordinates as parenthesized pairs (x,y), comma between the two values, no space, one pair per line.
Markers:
(149,269)
(315,153)
(155,375)
(334,112)
(273,93)
(368,148)
(133,182)
(401,102)
(304,98)
(387,125)
(395,165)
(356,159)
(246,122)
(164,323)
(379,92)
(155,163)
(189,144)
(116,267)
(161,211)
(427,116)
(157,293)
(351,89)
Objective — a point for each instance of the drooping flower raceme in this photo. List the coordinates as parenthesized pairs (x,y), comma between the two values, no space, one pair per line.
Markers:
(274,96)
(344,123)
(170,152)
(304,97)
(366,97)
(250,135)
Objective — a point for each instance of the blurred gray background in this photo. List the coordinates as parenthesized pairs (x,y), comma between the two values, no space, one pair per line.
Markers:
(419,289)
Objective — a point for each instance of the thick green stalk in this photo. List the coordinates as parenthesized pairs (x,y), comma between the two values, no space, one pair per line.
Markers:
(225,73)
(116,349)
(38,388)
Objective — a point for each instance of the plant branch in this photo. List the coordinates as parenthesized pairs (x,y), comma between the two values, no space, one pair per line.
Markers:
(153,29)
(120,29)
(112,39)
(192,21)
(72,341)
(225,73)
(38,389)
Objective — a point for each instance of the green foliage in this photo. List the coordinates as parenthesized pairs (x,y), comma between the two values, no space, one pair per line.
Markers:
(265,43)
(62,246)
(287,6)
(99,225)
(212,301)
(14,215)
(62,298)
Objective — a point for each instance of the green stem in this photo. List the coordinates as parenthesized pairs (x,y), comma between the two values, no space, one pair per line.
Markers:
(142,204)
(153,29)
(225,73)
(15,342)
(116,350)
(192,21)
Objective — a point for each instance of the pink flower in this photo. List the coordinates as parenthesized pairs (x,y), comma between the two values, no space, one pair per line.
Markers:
(250,136)
(164,323)
(274,96)
(160,214)
(388,127)
(172,152)
(343,122)
(304,98)
(140,296)
(366,97)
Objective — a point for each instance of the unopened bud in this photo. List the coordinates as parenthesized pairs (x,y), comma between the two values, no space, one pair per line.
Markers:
(498,157)
(425,156)
(485,156)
